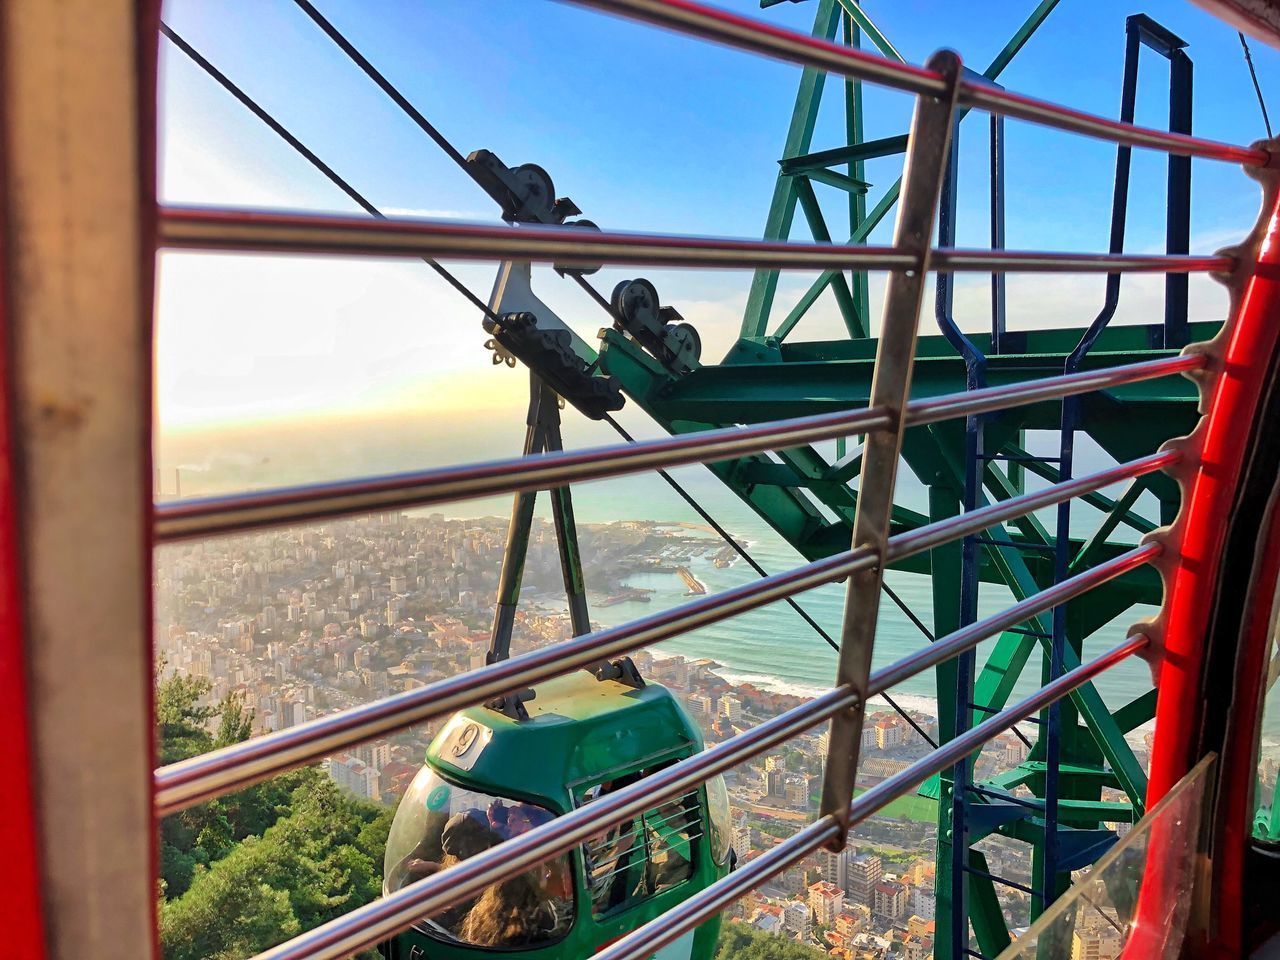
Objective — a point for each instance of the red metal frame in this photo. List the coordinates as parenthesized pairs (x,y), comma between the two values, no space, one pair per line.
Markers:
(21,916)
(1243,375)
(1233,401)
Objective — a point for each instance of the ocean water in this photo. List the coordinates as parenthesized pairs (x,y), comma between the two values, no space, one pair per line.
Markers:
(776,649)
(772,646)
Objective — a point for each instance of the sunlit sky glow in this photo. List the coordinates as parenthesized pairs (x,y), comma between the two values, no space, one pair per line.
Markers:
(645,131)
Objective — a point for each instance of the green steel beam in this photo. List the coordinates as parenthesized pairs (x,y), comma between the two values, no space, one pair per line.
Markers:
(857,150)
(857,235)
(1120,510)
(1019,39)
(878,39)
(841,182)
(1136,712)
(764,283)
(755,320)
(853,130)
(985,914)
(855,322)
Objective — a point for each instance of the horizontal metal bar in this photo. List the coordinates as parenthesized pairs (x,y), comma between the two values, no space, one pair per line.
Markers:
(187,782)
(191,781)
(757,36)
(969,636)
(234,513)
(947,260)
(1004,881)
(185,519)
(702,906)
(263,231)
(1020,545)
(426,897)
(352,932)
(964,524)
(1008,104)
(1007,798)
(369,924)
(659,932)
(994,399)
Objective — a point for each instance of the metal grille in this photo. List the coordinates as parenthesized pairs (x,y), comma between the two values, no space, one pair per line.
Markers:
(940,90)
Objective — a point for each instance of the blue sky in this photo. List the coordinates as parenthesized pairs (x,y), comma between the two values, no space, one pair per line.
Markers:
(645,131)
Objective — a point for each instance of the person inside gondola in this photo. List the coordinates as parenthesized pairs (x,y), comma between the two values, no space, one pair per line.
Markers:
(526,909)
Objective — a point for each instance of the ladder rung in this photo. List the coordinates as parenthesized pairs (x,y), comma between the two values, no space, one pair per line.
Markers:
(1021,545)
(1018,458)
(984,709)
(1007,798)
(1028,632)
(1004,881)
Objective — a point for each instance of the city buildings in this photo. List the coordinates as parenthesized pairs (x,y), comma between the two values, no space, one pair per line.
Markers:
(1100,942)
(835,867)
(300,623)
(865,871)
(354,776)
(797,919)
(826,901)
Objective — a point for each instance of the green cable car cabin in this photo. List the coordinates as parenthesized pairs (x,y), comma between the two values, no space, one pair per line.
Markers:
(492,774)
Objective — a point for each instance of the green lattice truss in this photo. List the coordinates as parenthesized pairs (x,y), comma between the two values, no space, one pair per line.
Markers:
(809,500)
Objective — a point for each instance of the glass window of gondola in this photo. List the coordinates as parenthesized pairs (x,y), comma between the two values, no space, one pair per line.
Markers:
(644,856)
(440,824)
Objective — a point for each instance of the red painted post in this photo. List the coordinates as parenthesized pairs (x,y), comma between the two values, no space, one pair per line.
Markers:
(20,908)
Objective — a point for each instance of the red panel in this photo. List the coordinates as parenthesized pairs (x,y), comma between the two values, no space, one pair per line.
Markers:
(20,913)
(1234,399)
(1226,441)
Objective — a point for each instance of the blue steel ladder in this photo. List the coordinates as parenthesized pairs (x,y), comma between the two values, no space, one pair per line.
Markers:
(970,805)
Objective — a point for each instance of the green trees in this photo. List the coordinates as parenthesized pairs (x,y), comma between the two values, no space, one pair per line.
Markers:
(249,870)
(740,941)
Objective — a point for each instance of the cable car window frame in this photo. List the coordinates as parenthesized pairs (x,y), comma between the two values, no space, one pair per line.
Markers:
(428,927)
(1264,800)
(693,804)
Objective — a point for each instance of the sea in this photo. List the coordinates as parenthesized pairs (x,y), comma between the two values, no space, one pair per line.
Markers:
(771,647)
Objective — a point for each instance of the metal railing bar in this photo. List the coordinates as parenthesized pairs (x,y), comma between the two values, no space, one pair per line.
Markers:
(659,932)
(1021,107)
(756,36)
(367,925)
(400,909)
(1006,396)
(975,521)
(212,774)
(235,513)
(191,781)
(213,515)
(266,231)
(1005,881)
(944,648)
(952,260)
(930,142)
(701,906)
